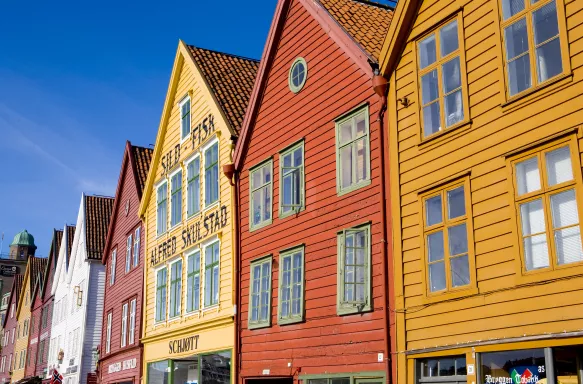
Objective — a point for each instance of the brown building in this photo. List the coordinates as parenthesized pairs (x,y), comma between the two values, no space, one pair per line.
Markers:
(121,347)
(313,290)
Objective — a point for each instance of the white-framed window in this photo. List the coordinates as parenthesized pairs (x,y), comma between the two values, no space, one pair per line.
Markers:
(132,329)
(260,294)
(211,173)
(211,273)
(185,118)
(112,267)
(137,247)
(75,342)
(12,310)
(161,276)
(291,181)
(13,334)
(261,191)
(108,333)
(3,363)
(129,245)
(175,288)
(124,324)
(176,198)
(193,282)
(291,286)
(161,207)
(193,186)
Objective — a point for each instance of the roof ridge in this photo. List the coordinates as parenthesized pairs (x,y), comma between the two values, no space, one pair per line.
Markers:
(224,53)
(141,147)
(376,4)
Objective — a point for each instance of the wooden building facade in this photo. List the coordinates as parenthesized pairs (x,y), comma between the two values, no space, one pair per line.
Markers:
(485,111)
(121,348)
(10,326)
(312,282)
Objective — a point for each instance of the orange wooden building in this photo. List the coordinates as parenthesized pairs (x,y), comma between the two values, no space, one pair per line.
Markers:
(312,287)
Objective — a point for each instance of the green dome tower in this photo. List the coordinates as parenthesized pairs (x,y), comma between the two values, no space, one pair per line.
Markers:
(22,246)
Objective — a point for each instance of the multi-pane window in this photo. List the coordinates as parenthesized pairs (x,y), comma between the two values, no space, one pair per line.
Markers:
(442,369)
(354,270)
(291,286)
(261,190)
(193,186)
(260,294)
(352,151)
(124,324)
(129,245)
(176,198)
(291,180)
(193,282)
(440,79)
(211,274)
(532,46)
(161,208)
(185,118)
(548,212)
(137,247)
(211,174)
(175,288)
(161,294)
(132,330)
(108,333)
(446,231)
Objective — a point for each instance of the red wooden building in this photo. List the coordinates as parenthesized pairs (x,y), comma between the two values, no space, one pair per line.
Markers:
(10,330)
(121,348)
(313,260)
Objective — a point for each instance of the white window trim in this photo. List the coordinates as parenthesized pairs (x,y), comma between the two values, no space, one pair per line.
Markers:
(138,242)
(158,185)
(203,246)
(108,332)
(169,206)
(132,325)
(207,145)
(129,248)
(253,169)
(197,155)
(183,101)
(124,325)
(156,270)
(112,267)
(187,255)
(169,286)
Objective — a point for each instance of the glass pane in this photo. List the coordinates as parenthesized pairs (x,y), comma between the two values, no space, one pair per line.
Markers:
(266,174)
(565,364)
(437,277)
(527,176)
(433,210)
(346,166)
(564,209)
(533,217)
(449,39)
(544,22)
(548,60)
(287,160)
(343,380)
(516,37)
(435,246)
(361,160)
(454,109)
(519,366)
(460,366)
(266,203)
(446,367)
(257,208)
(346,132)
(431,119)
(519,75)
(214,369)
(318,381)
(430,368)
(460,271)
(511,7)
(559,168)
(536,252)
(429,87)
(451,75)
(360,124)
(568,245)
(456,203)
(427,52)
(458,239)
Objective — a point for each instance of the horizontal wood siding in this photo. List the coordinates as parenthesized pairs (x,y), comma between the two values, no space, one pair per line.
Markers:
(325,342)
(495,130)
(11,325)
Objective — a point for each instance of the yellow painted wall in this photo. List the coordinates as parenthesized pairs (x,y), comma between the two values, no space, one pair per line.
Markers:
(22,314)
(186,79)
(504,303)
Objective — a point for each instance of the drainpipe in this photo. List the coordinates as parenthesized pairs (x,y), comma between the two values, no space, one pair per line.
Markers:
(380,86)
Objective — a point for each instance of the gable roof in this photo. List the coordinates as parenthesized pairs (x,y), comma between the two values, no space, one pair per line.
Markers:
(70,238)
(14,292)
(97,215)
(53,257)
(37,270)
(366,22)
(398,34)
(230,79)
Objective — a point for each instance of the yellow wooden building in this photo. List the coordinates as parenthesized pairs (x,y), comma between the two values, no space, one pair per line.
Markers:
(188,208)
(35,267)
(484,121)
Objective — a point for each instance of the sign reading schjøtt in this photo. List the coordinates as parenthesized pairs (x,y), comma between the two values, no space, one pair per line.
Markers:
(183,345)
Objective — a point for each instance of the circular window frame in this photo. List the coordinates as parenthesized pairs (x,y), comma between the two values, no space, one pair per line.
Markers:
(292,87)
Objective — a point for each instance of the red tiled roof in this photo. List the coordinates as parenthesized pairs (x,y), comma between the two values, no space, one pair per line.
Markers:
(97,214)
(142,159)
(365,21)
(37,268)
(231,79)
(70,238)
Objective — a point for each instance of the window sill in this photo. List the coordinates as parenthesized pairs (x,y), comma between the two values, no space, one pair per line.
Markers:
(261,225)
(535,93)
(352,188)
(291,321)
(211,206)
(258,326)
(446,134)
(283,215)
(547,274)
(449,295)
(196,215)
(347,309)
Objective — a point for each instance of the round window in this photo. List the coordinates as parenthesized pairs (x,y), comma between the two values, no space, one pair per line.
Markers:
(298,74)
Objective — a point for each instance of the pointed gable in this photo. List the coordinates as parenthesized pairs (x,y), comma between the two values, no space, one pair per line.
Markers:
(37,269)
(70,238)
(52,259)
(97,215)
(14,294)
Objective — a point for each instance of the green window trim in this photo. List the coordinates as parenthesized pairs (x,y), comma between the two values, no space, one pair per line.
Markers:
(211,174)
(176,198)
(267,188)
(161,208)
(352,144)
(198,357)
(192,181)
(193,282)
(185,122)
(355,377)
(346,306)
(161,284)
(175,289)
(286,210)
(295,286)
(211,282)
(261,291)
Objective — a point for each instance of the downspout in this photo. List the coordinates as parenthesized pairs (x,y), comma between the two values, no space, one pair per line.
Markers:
(380,86)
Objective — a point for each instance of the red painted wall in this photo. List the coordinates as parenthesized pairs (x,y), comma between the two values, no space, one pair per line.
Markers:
(325,342)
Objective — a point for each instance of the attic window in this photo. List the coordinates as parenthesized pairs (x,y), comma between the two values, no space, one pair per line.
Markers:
(298,73)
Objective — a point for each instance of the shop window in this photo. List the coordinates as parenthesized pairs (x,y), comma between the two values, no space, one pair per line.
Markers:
(261,190)
(532,43)
(175,198)
(259,314)
(216,368)
(175,288)
(292,180)
(159,372)
(441,73)
(525,366)
(354,271)
(291,286)
(161,207)
(193,186)
(193,282)
(161,275)
(185,118)
(129,245)
(442,369)
(211,273)
(335,380)
(547,207)
(211,174)
(352,151)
